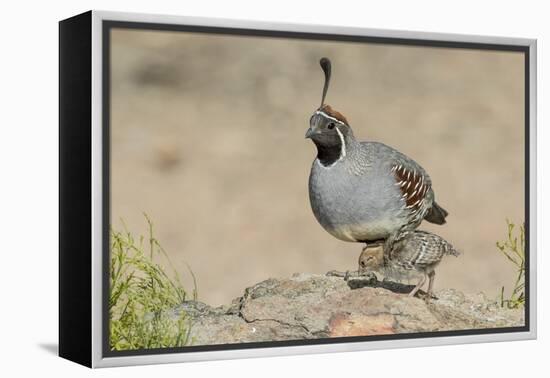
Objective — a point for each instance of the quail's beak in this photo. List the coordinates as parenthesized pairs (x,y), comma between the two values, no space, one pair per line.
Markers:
(312,131)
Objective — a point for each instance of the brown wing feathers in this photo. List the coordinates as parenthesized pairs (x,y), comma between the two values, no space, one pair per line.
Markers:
(412,184)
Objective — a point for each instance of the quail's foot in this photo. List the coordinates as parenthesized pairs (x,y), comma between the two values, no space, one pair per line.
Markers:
(345,275)
(427,297)
(432,296)
(333,273)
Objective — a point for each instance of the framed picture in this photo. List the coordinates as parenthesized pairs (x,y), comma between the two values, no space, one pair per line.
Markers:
(197,222)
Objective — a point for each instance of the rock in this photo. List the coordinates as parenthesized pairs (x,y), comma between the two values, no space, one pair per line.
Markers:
(308,306)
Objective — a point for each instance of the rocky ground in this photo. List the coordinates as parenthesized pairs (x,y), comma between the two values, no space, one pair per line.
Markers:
(308,306)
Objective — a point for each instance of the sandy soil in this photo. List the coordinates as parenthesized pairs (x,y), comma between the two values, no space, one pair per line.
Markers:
(208,139)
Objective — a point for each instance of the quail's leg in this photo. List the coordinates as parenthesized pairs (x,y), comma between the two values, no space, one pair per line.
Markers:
(418,286)
(431,277)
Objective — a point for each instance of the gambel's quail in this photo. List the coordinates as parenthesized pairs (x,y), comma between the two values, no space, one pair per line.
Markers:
(418,250)
(364,191)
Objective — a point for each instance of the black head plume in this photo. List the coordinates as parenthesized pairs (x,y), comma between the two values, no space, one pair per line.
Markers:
(326,66)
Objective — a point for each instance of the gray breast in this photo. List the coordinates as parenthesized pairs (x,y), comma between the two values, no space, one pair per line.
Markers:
(356,205)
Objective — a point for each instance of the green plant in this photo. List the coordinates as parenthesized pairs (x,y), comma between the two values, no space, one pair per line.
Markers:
(142,294)
(513,248)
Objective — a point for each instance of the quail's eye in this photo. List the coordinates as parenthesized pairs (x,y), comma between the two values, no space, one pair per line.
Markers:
(362,263)
(331,126)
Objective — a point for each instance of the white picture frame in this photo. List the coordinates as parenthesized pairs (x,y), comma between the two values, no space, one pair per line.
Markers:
(82,273)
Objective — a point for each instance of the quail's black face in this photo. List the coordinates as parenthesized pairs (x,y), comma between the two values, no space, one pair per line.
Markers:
(327,127)
(323,130)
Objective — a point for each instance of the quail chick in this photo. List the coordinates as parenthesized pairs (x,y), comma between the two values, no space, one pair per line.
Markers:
(418,250)
(364,191)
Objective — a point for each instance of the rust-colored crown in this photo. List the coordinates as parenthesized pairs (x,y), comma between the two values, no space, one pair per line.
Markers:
(334,113)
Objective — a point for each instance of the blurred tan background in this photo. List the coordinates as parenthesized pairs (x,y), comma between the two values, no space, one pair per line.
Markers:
(208,140)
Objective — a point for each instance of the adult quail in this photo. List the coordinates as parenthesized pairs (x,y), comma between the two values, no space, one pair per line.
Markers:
(418,250)
(364,191)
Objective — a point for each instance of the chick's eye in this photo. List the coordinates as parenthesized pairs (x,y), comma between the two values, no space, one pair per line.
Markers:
(331,126)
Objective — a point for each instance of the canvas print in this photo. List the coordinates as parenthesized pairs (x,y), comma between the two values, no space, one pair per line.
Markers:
(267,190)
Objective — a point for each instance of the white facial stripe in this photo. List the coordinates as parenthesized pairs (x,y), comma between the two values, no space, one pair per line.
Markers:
(329,117)
(343,141)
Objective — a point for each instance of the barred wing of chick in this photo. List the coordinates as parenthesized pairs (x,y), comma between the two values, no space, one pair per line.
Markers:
(420,250)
